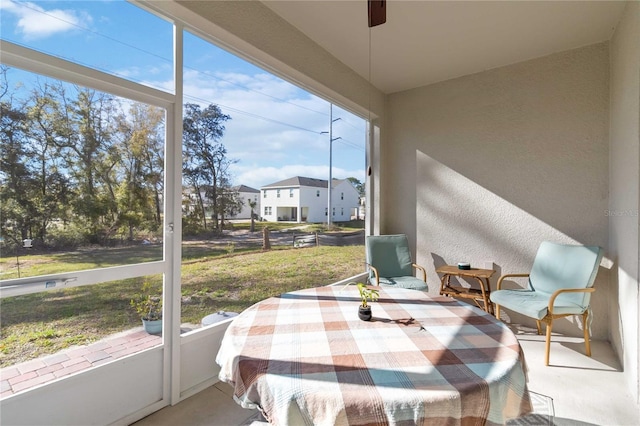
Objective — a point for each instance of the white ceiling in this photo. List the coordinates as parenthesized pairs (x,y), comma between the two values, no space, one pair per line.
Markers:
(424,42)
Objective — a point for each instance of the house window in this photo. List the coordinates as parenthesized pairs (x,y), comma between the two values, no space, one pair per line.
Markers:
(333,211)
(342,195)
(278,193)
(291,193)
(264,194)
(318,193)
(342,211)
(267,210)
(325,211)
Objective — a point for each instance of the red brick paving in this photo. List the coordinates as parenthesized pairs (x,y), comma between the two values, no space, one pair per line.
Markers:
(32,373)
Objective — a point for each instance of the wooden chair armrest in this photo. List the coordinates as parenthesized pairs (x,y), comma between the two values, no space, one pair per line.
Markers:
(509,276)
(566,290)
(424,271)
(375,274)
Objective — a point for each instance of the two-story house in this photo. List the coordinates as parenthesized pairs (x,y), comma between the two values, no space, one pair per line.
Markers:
(304,199)
(247,194)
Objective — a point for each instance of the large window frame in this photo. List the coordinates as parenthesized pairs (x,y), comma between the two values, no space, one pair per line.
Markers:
(30,60)
(170,265)
(40,63)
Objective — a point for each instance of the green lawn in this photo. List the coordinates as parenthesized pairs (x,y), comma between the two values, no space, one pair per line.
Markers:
(213,279)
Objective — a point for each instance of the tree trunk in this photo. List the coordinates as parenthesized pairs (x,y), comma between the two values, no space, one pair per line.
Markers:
(266,244)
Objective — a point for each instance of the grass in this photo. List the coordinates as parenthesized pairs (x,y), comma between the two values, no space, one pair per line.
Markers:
(43,323)
(233,283)
(34,263)
(214,278)
(54,263)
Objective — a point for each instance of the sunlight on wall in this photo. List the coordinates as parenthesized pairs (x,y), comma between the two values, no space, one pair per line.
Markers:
(464,222)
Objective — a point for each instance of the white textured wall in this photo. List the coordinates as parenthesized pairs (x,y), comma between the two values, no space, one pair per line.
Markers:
(485,167)
(624,181)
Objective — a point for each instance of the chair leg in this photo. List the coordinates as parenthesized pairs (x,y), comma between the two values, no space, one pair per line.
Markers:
(539,328)
(497,311)
(587,342)
(548,343)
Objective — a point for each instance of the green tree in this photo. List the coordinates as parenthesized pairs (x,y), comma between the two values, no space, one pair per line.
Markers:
(205,162)
(252,205)
(141,169)
(75,167)
(359,186)
(17,180)
(229,202)
(84,131)
(54,190)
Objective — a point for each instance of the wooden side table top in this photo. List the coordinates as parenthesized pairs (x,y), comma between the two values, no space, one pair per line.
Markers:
(473,272)
(476,294)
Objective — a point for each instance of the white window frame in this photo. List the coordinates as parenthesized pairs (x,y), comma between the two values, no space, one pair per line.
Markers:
(33,61)
(171,263)
(30,60)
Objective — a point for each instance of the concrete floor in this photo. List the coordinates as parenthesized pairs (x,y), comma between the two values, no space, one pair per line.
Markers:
(573,390)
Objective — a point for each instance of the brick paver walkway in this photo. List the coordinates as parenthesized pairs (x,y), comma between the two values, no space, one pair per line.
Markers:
(32,373)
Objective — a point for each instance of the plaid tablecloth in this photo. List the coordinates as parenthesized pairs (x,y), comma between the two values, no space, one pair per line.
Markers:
(305,358)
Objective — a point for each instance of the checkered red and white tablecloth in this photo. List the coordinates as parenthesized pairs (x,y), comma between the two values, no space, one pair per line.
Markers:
(305,357)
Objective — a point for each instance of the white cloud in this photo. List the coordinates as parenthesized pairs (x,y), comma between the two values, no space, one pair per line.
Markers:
(275,128)
(35,22)
(262,127)
(137,73)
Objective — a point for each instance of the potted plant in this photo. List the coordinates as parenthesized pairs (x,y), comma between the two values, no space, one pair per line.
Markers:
(364,310)
(149,306)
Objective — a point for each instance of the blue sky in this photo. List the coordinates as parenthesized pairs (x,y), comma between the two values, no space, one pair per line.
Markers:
(275,127)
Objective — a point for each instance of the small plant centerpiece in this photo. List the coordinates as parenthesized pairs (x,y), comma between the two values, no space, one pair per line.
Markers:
(149,306)
(370,294)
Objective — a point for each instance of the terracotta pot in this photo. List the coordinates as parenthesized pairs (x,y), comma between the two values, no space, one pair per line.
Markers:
(364,313)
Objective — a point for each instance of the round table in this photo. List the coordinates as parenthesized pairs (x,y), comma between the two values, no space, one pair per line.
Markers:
(305,358)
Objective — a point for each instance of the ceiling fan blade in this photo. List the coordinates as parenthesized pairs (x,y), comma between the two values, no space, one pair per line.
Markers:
(377,12)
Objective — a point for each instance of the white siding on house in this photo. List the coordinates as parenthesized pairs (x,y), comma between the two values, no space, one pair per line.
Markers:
(315,201)
(306,200)
(344,201)
(246,194)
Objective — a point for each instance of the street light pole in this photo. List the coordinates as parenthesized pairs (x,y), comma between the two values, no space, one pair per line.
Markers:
(329,185)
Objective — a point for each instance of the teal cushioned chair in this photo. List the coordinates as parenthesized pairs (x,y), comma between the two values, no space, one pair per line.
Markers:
(389,262)
(560,284)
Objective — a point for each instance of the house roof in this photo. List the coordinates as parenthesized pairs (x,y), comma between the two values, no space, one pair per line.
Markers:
(245,188)
(302,181)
